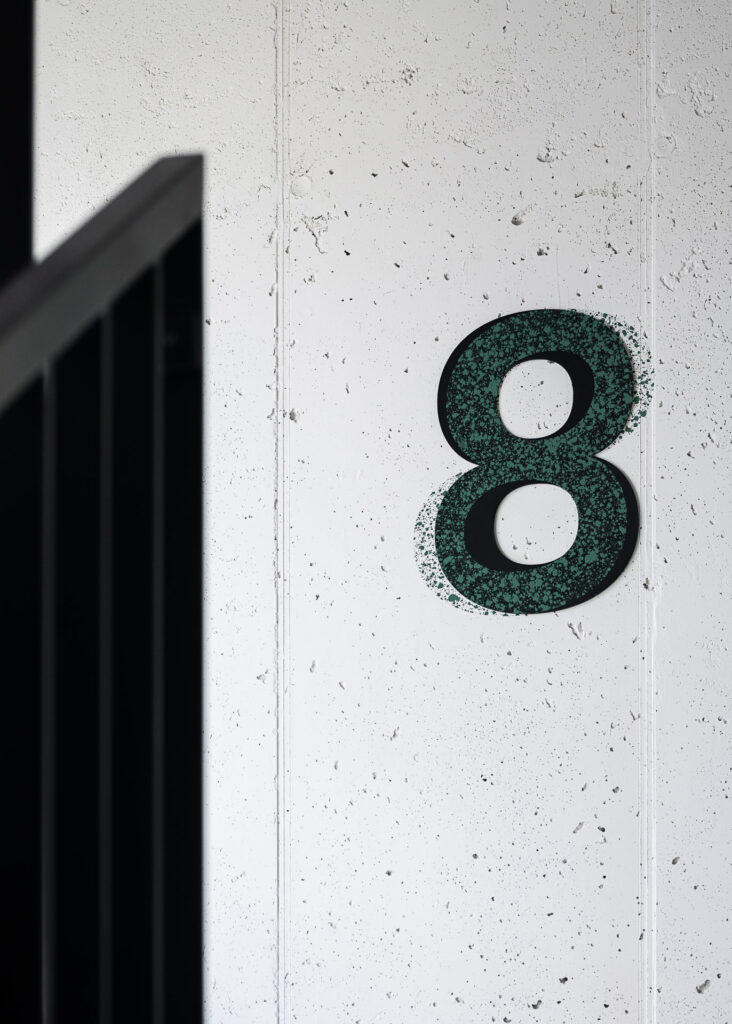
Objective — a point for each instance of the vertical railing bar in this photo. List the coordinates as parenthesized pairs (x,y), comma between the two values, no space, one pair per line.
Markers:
(106,527)
(48,697)
(158,650)
(21,530)
(133,326)
(183,627)
(77,623)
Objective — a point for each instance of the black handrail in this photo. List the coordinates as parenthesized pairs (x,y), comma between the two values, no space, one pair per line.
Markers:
(45,306)
(100,615)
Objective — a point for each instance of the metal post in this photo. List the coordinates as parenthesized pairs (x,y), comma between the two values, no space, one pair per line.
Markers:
(16,166)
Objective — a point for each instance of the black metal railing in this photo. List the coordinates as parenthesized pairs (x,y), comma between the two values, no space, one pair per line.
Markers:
(100,606)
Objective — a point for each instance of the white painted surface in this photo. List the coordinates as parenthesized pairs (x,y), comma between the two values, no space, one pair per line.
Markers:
(471,808)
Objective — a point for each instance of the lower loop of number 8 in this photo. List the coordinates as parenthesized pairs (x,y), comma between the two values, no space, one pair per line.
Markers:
(601,371)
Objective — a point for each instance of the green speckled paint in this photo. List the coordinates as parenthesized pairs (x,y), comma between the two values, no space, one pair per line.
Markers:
(606,403)
(642,361)
(426,556)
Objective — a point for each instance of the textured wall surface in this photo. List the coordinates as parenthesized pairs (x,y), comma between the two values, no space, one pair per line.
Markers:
(415,812)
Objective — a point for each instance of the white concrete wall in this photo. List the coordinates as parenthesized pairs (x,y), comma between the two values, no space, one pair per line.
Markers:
(416,814)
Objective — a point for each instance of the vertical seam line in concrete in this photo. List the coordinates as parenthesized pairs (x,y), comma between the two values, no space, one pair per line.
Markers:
(282,57)
(648,1007)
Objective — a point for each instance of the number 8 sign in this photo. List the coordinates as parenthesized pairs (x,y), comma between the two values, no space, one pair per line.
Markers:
(601,371)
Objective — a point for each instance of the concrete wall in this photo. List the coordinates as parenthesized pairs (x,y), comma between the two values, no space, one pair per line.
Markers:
(415,812)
